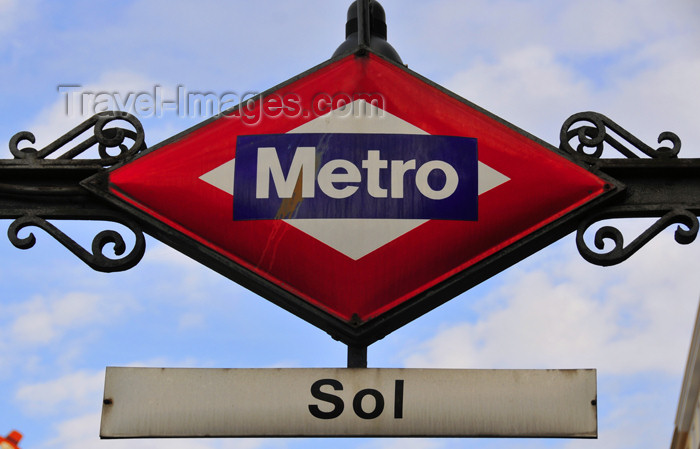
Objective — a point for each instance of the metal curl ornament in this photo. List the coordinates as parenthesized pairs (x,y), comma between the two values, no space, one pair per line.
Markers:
(596,136)
(96,259)
(104,138)
(619,253)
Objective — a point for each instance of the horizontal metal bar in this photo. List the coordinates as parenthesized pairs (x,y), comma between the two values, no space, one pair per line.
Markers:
(50,189)
(653,185)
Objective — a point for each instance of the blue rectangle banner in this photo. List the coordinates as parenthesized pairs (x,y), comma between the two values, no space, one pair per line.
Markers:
(399,176)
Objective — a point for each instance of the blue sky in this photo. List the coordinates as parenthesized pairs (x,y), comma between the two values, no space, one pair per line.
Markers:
(534,63)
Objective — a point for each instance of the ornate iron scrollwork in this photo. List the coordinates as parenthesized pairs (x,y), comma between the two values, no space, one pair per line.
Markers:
(40,185)
(97,260)
(619,252)
(105,138)
(593,130)
(592,133)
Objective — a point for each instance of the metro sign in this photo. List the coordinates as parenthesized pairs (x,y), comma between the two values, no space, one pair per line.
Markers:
(395,188)
(357,196)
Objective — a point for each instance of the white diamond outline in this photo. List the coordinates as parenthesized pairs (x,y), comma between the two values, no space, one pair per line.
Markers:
(354,237)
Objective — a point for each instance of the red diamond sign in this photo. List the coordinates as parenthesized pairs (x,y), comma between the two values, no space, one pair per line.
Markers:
(357,195)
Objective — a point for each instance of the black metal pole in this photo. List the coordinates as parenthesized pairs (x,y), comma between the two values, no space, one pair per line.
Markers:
(357,356)
(363,23)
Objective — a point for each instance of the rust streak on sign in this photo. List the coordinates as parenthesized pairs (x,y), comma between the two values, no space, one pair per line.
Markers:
(289,205)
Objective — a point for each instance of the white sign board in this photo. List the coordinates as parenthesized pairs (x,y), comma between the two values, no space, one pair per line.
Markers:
(182,402)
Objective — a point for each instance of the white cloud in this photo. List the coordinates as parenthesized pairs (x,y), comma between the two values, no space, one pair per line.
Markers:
(162,253)
(535,90)
(561,313)
(76,433)
(527,86)
(633,421)
(72,392)
(578,27)
(75,104)
(9,15)
(191,321)
(189,281)
(665,97)
(536,63)
(601,26)
(34,326)
(7,5)
(43,320)
(82,433)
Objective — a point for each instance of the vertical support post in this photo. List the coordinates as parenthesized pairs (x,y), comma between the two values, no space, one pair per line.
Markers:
(363,23)
(357,356)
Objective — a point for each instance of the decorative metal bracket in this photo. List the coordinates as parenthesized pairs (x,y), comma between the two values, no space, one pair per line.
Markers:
(103,137)
(597,133)
(96,259)
(35,188)
(660,186)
